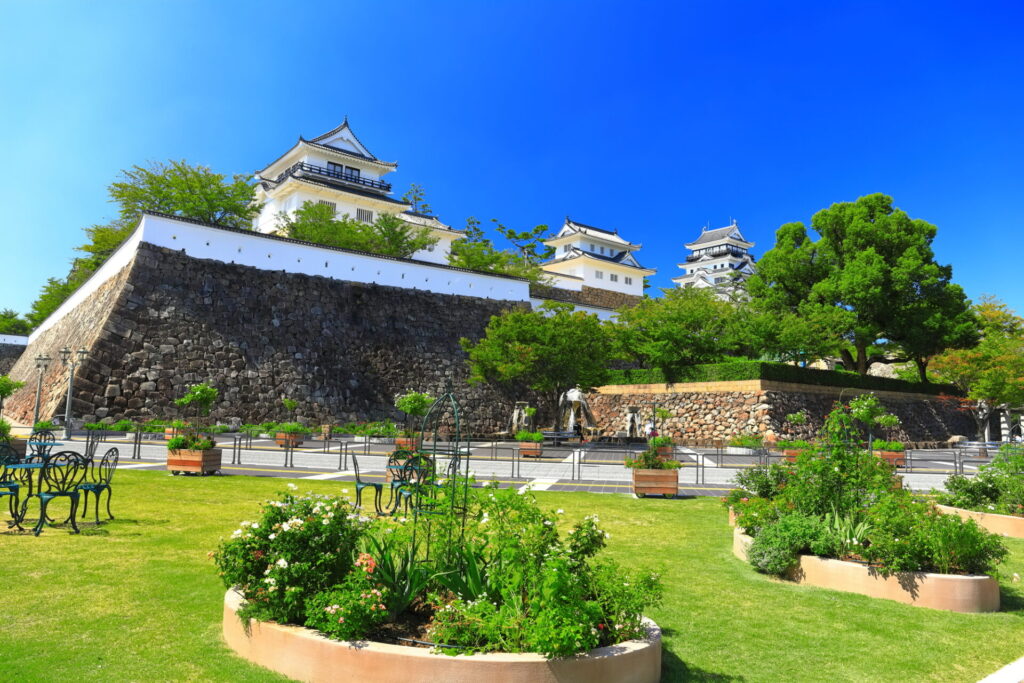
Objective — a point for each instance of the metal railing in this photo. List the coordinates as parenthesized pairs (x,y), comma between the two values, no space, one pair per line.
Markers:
(301,168)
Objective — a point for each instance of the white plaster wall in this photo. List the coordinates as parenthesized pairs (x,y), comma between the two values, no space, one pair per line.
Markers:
(590,279)
(253,250)
(601,313)
(13,340)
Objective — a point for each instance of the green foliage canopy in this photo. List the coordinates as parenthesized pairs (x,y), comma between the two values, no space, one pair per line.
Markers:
(12,323)
(476,252)
(550,350)
(388,235)
(871,279)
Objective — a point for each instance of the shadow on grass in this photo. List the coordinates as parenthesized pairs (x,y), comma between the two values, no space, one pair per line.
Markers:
(675,669)
(1011,600)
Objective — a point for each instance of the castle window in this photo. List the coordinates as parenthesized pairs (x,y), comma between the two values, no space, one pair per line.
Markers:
(592,247)
(335,168)
(613,277)
(334,207)
(364,215)
(629,280)
(354,172)
(565,248)
(599,274)
(602,249)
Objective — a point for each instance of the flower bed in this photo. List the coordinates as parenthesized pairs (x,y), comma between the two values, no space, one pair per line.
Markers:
(1004,525)
(838,518)
(306,655)
(951,592)
(490,574)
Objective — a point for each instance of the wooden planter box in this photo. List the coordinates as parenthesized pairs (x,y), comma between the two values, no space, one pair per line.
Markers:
(656,482)
(894,458)
(170,433)
(199,462)
(530,449)
(282,439)
(666,452)
(407,443)
(791,454)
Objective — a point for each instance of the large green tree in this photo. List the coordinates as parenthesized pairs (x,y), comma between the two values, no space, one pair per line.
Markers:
(870,280)
(388,235)
(176,188)
(550,350)
(991,374)
(682,328)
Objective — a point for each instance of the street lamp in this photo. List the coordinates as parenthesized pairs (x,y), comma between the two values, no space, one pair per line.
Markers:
(42,364)
(67,358)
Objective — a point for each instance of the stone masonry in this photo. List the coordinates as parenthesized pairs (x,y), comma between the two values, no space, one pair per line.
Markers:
(8,354)
(718,411)
(341,349)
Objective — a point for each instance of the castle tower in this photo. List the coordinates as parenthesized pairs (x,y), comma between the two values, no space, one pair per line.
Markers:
(336,169)
(597,258)
(719,258)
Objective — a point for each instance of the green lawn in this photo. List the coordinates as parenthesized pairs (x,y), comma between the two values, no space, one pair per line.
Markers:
(139,598)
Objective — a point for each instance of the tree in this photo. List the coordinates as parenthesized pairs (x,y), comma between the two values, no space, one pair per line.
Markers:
(12,323)
(685,327)
(7,388)
(416,197)
(550,350)
(476,252)
(174,188)
(529,243)
(871,280)
(991,374)
(388,235)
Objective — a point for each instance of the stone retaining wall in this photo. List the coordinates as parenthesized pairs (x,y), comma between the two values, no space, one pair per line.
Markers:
(719,410)
(342,349)
(9,353)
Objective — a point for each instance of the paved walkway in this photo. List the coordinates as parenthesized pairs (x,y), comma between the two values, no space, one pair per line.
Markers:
(705,472)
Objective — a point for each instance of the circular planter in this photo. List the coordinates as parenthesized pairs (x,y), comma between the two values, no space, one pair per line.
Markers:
(305,655)
(950,592)
(1004,525)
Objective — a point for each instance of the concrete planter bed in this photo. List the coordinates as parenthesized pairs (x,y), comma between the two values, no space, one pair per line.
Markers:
(920,589)
(1004,525)
(305,655)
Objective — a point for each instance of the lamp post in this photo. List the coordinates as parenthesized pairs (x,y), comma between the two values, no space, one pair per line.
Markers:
(42,364)
(67,357)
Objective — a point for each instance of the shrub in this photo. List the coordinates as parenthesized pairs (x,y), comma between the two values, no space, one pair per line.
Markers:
(998,487)
(44,426)
(290,428)
(746,441)
(779,372)
(352,609)
(764,481)
(526,435)
(299,547)
(776,547)
(189,442)
(882,445)
(659,441)
(5,431)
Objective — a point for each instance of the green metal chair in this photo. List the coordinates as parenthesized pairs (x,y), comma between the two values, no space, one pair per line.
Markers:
(40,444)
(60,476)
(378,488)
(100,476)
(10,487)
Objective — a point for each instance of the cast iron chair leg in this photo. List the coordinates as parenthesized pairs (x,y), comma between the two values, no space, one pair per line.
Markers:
(378,492)
(74,509)
(85,508)
(42,516)
(110,492)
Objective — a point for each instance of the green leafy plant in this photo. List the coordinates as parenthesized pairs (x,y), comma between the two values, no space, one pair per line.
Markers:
(290,428)
(797,418)
(289,404)
(659,441)
(529,437)
(189,442)
(793,444)
(5,431)
(414,404)
(746,441)
(43,426)
(650,460)
(883,445)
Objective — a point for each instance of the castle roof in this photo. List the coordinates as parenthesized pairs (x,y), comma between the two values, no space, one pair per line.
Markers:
(572,228)
(729,232)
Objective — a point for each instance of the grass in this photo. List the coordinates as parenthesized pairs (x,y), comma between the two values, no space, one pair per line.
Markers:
(139,599)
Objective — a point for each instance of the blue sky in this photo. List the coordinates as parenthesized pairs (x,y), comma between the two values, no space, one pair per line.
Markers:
(652,118)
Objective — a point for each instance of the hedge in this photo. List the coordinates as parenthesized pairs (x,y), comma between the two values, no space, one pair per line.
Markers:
(779,372)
